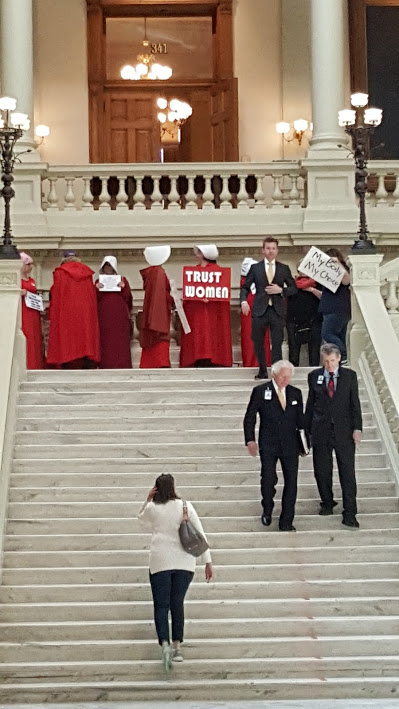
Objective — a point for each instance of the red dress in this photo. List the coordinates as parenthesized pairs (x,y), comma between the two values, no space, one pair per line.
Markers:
(32,329)
(247,346)
(115,328)
(74,332)
(210,336)
(155,321)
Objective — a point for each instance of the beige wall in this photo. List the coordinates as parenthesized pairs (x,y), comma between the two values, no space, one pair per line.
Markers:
(60,79)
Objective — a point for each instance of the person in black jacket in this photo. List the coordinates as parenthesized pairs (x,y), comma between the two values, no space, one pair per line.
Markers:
(333,418)
(304,321)
(273,282)
(280,408)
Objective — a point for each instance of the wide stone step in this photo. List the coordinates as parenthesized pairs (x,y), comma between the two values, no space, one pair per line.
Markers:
(197,610)
(220,434)
(228,572)
(201,591)
(142,423)
(279,667)
(216,690)
(239,493)
(227,484)
(205,508)
(127,375)
(220,557)
(224,540)
(202,628)
(172,464)
(117,525)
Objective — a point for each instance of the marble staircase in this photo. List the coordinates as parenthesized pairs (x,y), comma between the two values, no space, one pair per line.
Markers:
(308,615)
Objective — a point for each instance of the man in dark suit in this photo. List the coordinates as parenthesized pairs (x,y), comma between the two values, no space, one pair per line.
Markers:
(280,408)
(273,282)
(333,418)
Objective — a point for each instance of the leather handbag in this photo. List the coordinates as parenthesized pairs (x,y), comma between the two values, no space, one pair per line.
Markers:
(192,541)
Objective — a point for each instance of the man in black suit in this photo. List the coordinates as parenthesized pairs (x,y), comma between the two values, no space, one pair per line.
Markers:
(273,282)
(280,407)
(333,418)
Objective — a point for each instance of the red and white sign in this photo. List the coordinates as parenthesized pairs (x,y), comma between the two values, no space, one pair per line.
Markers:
(212,284)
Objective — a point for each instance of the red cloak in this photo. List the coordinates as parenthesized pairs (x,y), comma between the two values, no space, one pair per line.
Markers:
(247,346)
(210,336)
(32,329)
(115,328)
(74,332)
(155,320)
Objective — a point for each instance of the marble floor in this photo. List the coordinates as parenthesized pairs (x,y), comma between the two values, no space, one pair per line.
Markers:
(291,704)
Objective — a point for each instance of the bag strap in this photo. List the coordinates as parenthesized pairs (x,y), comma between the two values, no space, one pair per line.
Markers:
(185,511)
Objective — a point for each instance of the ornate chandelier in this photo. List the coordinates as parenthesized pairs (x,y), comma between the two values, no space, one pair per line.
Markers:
(146,67)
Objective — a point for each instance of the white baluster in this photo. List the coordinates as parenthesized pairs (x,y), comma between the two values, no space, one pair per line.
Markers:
(392,301)
(69,194)
(104,196)
(87,198)
(242,197)
(173,196)
(259,196)
(225,196)
(294,192)
(207,197)
(156,197)
(191,196)
(278,197)
(52,197)
(395,194)
(121,197)
(139,197)
(381,194)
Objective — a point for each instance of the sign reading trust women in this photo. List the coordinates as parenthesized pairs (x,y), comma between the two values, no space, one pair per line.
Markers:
(206,284)
(323,269)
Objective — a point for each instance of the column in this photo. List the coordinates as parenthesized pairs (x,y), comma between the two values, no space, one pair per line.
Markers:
(16,58)
(329,37)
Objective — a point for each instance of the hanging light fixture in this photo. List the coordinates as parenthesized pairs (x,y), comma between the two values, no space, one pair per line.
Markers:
(172,116)
(146,67)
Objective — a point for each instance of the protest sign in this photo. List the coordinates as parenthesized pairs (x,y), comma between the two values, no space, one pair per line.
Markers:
(322,268)
(211,284)
(34,301)
(179,306)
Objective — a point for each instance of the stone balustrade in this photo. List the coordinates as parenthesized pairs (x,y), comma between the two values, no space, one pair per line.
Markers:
(383,183)
(192,187)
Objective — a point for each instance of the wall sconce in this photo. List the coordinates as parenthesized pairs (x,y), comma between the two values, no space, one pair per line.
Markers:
(296,131)
(172,116)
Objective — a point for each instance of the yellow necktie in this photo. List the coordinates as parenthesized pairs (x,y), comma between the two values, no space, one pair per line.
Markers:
(281,399)
(269,278)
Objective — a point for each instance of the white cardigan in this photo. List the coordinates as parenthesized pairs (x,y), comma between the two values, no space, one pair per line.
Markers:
(166,551)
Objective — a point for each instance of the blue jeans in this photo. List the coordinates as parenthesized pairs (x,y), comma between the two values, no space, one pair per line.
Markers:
(333,330)
(168,591)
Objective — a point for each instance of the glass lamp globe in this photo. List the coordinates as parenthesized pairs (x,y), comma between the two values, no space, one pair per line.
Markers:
(42,131)
(162,103)
(359,100)
(7,103)
(300,125)
(282,127)
(346,117)
(373,116)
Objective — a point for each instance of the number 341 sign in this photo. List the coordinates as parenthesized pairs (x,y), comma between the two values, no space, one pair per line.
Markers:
(160,48)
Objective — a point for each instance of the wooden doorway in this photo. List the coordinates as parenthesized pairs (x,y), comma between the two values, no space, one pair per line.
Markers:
(123,114)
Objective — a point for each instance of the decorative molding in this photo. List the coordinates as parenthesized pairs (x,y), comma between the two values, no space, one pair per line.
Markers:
(9,280)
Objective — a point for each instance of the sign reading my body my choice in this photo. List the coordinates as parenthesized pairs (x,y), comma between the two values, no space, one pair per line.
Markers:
(206,283)
(322,269)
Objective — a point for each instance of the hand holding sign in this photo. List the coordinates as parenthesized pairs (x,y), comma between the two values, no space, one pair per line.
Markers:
(326,270)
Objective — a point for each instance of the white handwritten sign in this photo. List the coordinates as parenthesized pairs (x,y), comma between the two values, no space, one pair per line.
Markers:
(34,301)
(322,268)
(110,283)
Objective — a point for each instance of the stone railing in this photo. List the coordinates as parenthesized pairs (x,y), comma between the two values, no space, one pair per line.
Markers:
(173,187)
(389,280)
(383,183)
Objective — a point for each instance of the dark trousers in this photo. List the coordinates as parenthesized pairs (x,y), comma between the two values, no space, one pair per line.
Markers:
(260,323)
(313,343)
(323,469)
(334,329)
(168,591)
(268,482)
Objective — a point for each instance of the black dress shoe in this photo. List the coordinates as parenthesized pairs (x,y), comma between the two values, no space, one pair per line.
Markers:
(351,522)
(325,511)
(288,529)
(261,375)
(266,521)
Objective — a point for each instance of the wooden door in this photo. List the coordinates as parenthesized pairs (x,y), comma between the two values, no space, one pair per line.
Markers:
(131,127)
(224,120)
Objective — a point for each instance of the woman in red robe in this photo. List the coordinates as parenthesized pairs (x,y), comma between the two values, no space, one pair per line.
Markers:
(31,322)
(157,307)
(247,346)
(74,340)
(209,342)
(114,319)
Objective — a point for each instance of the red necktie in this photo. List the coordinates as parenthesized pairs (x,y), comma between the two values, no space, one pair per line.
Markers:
(330,386)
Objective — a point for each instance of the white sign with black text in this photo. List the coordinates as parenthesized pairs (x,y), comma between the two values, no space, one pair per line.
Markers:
(34,301)
(322,268)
